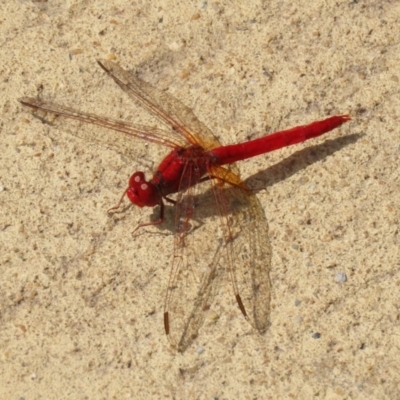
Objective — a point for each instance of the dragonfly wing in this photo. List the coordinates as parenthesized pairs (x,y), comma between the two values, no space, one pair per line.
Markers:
(233,238)
(165,107)
(248,251)
(100,129)
(189,296)
(196,266)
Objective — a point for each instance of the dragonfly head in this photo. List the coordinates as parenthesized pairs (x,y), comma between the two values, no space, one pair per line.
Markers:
(142,193)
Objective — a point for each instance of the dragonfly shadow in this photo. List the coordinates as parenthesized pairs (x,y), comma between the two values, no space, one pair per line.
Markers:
(282,170)
(298,161)
(270,176)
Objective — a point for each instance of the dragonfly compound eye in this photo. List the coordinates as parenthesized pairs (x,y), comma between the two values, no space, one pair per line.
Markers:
(136,179)
(141,192)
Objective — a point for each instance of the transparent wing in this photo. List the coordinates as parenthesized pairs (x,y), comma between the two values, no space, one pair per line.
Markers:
(248,252)
(165,107)
(76,123)
(196,263)
(233,238)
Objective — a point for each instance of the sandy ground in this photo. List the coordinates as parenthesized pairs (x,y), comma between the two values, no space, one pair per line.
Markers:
(81,298)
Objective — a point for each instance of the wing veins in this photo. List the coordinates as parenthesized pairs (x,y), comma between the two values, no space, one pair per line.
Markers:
(150,134)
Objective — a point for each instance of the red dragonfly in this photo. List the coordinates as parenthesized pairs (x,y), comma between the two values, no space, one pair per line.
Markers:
(235,238)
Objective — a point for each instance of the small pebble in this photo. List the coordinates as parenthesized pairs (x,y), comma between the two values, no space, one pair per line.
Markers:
(316,335)
(200,350)
(341,277)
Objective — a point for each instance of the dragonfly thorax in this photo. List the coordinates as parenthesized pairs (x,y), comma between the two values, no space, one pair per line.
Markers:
(142,193)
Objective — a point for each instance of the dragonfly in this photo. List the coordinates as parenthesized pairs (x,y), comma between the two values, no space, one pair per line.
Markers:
(200,179)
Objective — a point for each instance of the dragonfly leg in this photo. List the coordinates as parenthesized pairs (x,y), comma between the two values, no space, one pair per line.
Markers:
(206,178)
(170,200)
(118,204)
(158,222)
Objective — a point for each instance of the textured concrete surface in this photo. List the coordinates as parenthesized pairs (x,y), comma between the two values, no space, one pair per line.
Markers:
(81,298)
